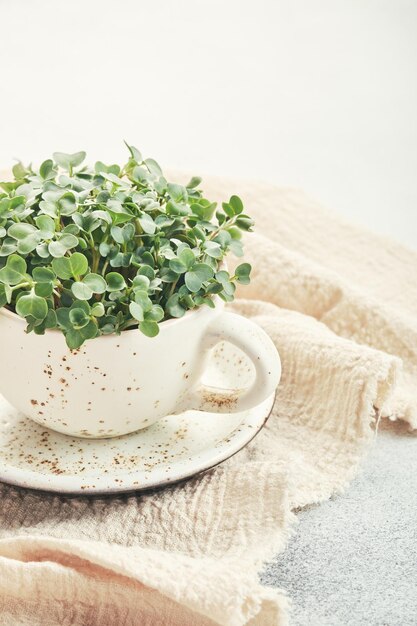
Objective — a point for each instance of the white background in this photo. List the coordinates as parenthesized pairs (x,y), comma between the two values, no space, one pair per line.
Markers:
(319,94)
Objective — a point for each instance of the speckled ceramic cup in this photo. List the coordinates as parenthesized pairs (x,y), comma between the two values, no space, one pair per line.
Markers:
(117,384)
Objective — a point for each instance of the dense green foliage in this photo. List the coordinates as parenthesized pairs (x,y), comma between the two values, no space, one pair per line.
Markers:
(94,251)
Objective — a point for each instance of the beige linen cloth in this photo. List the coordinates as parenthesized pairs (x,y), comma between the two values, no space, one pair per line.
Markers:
(341,306)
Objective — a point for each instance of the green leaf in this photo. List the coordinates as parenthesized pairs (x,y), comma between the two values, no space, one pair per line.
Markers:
(98,309)
(29,243)
(21,230)
(71,229)
(136,311)
(33,305)
(68,241)
(187,257)
(176,265)
(3,296)
(224,279)
(203,209)
(67,161)
(104,249)
(141,282)
(118,212)
(10,186)
(148,264)
(175,208)
(194,182)
(49,208)
(142,298)
(237,205)
(51,319)
(17,203)
(178,193)
(73,266)
(75,338)
(228,209)
(67,203)
(154,168)
(213,249)
(147,223)
(57,249)
(115,282)
(46,168)
(95,282)
(107,169)
(42,251)
(46,226)
(203,271)
(44,289)
(43,275)
(116,180)
(14,272)
(5,204)
(156,313)
(62,315)
(8,246)
(193,281)
(134,153)
(149,328)
(19,171)
(236,247)
(123,234)
(78,318)
(81,291)
(242,273)
(245,223)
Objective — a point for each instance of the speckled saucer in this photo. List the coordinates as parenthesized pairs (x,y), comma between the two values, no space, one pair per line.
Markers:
(175,448)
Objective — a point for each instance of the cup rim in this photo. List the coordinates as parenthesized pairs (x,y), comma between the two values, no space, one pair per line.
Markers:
(218,302)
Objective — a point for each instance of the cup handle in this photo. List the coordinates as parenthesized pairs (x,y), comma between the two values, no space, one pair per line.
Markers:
(254,342)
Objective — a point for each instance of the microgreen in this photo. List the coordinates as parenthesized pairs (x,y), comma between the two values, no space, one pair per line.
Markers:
(97,250)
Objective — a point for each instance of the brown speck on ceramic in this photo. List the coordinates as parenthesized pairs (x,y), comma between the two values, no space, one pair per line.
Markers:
(220,400)
(34,402)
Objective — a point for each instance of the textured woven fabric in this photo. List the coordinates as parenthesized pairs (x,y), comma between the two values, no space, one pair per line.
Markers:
(341,306)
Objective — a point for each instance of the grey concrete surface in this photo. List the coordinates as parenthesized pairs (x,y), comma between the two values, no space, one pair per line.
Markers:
(353,559)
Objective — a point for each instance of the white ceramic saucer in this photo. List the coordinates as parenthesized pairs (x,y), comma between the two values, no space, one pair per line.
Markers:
(175,448)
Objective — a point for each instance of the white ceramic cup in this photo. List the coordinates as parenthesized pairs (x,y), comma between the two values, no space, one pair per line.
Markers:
(116,384)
